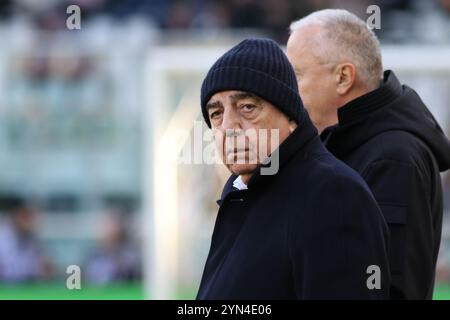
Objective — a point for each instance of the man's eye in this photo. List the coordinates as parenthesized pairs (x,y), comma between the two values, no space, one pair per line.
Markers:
(215,114)
(248,108)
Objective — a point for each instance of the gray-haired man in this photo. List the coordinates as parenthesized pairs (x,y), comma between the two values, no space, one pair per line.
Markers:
(382,130)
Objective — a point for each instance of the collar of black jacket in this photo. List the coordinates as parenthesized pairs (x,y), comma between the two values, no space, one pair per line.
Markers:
(342,138)
(365,105)
(392,107)
(294,143)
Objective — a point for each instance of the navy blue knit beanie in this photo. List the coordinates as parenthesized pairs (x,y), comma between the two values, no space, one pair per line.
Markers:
(258,66)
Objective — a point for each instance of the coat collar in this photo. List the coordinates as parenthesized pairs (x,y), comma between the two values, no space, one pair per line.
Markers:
(369,103)
(361,113)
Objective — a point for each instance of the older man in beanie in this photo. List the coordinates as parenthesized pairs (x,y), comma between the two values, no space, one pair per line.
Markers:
(381,129)
(310,229)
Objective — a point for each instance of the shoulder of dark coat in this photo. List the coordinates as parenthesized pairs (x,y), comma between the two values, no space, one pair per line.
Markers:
(328,172)
(396,146)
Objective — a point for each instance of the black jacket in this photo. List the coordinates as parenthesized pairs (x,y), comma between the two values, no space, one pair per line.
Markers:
(308,232)
(393,141)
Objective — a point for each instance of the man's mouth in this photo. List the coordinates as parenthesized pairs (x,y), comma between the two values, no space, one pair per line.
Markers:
(237,151)
(238,155)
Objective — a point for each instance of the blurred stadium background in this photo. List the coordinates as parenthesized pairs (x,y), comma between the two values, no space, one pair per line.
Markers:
(84,121)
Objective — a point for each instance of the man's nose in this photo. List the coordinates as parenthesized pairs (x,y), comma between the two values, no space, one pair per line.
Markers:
(230,120)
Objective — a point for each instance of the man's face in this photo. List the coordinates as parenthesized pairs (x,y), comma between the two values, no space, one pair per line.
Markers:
(246,129)
(316,79)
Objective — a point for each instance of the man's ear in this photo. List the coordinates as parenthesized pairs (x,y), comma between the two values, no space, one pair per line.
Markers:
(345,77)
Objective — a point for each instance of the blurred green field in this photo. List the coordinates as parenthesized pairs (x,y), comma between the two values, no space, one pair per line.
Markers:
(58,291)
(441,292)
(123,291)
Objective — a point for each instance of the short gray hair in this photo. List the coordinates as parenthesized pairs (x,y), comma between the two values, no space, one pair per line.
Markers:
(346,38)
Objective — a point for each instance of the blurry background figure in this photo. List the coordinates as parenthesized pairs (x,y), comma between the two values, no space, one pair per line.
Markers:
(443,264)
(21,255)
(446,193)
(116,258)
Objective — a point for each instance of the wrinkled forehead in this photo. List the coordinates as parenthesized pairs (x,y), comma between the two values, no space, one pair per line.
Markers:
(231,96)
